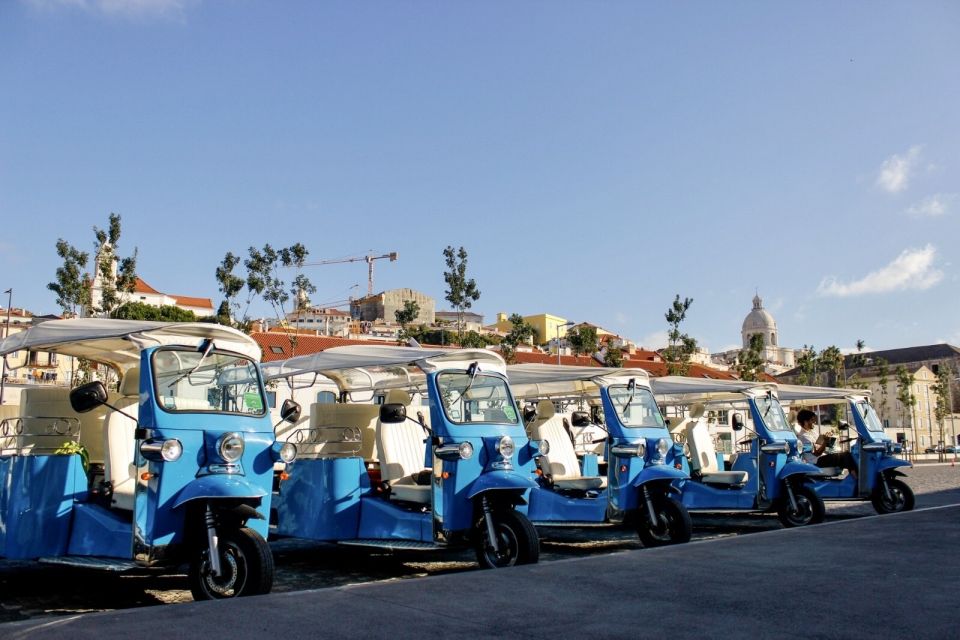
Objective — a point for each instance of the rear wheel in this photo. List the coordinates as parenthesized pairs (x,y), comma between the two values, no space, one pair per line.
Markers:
(900,498)
(672,526)
(517,541)
(246,567)
(809,508)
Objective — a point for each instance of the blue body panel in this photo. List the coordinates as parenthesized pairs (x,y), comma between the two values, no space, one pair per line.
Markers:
(795,467)
(498,481)
(320,500)
(36,504)
(658,472)
(381,519)
(550,506)
(589,465)
(699,496)
(101,532)
(219,486)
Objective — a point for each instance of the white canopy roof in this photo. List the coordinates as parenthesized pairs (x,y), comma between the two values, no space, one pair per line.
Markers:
(542,380)
(366,367)
(683,390)
(119,342)
(798,395)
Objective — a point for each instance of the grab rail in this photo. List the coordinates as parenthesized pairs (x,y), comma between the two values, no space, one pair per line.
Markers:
(37,435)
(323,442)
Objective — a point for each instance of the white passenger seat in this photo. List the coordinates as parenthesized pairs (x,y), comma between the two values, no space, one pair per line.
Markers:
(119,442)
(703,457)
(402,451)
(561,464)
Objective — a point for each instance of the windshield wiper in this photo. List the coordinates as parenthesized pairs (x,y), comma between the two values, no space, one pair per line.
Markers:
(207,347)
(632,388)
(472,371)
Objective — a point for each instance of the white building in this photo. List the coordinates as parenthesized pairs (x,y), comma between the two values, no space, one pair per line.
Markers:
(326,322)
(760,322)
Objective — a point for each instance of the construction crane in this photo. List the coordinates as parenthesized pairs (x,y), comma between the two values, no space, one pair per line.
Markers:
(369,259)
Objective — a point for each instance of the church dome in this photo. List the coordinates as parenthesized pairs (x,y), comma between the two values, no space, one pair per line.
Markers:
(759,321)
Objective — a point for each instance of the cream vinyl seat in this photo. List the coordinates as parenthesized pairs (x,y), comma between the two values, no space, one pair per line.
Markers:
(119,442)
(363,417)
(561,464)
(402,450)
(703,457)
(41,406)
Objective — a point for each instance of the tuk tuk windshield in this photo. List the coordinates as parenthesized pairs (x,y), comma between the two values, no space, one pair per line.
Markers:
(185,380)
(772,413)
(636,407)
(484,398)
(870,417)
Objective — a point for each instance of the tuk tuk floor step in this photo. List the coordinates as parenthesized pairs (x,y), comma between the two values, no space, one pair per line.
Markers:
(571,523)
(90,562)
(400,545)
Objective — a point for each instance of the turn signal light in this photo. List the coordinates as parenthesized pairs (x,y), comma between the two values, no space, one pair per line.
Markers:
(623,468)
(284,475)
(146,475)
(445,475)
(539,472)
(677,466)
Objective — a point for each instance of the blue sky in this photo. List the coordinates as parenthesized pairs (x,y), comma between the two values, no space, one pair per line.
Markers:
(595,158)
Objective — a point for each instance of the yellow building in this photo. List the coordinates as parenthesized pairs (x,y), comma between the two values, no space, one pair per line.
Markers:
(546,325)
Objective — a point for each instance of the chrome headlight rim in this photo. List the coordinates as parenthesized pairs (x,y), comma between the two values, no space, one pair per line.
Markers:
(506,447)
(663,446)
(544,447)
(465,449)
(288,452)
(171,450)
(642,449)
(230,446)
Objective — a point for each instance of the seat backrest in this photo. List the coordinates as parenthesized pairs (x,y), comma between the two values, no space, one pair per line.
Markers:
(561,461)
(402,448)
(545,411)
(703,455)
(361,416)
(119,442)
(42,404)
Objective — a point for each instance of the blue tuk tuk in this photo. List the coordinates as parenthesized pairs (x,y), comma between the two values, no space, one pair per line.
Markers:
(874,453)
(767,473)
(642,463)
(422,449)
(173,468)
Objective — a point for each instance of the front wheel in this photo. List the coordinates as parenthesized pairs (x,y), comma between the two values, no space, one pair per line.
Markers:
(246,567)
(900,498)
(517,541)
(672,526)
(809,510)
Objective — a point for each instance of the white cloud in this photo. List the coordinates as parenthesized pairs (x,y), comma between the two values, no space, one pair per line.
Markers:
(895,172)
(135,9)
(913,269)
(933,206)
(654,341)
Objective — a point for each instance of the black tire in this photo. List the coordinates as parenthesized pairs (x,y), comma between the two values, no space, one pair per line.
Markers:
(246,563)
(810,509)
(673,523)
(517,539)
(903,499)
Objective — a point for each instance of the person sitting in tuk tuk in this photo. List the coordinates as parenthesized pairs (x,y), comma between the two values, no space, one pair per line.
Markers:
(807,420)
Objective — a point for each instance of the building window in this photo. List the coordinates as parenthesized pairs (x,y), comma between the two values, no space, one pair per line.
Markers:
(276,349)
(326,397)
(272,399)
(52,359)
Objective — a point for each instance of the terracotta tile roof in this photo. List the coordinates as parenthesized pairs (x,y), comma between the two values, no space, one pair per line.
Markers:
(276,344)
(142,287)
(656,369)
(187,301)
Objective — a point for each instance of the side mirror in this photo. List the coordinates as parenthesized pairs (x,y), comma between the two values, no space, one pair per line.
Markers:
(843,425)
(392,413)
(580,419)
(290,411)
(529,414)
(88,397)
(737,422)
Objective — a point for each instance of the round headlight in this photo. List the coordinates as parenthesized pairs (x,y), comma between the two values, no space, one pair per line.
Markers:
(641,449)
(786,448)
(288,452)
(230,446)
(171,450)
(466,450)
(662,447)
(506,446)
(545,447)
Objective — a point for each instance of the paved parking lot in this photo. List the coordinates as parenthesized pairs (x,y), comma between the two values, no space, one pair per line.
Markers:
(28,590)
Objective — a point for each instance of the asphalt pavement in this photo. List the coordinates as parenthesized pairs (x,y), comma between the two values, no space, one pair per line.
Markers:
(869,577)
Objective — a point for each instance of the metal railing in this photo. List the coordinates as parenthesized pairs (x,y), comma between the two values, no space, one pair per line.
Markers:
(37,435)
(326,442)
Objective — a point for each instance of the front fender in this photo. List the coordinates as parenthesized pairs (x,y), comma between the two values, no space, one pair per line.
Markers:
(500,480)
(885,464)
(218,486)
(796,468)
(659,472)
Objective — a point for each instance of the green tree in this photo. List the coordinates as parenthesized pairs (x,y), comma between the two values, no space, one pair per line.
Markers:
(750,361)
(118,276)
(141,311)
(807,365)
(73,293)
(582,340)
(409,313)
(831,363)
(461,291)
(680,345)
(905,395)
(883,379)
(520,332)
(613,357)
(230,286)
(942,390)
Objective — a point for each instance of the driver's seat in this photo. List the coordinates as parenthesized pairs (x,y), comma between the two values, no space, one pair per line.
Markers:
(703,457)
(119,442)
(560,465)
(401,446)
